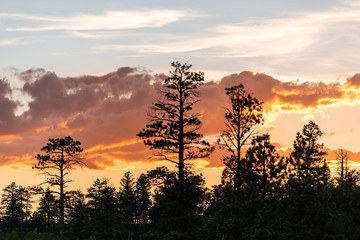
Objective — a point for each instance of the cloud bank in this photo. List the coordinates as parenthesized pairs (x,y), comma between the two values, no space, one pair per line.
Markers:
(106,112)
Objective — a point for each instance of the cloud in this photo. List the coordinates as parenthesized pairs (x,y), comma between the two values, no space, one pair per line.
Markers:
(332,155)
(97,110)
(295,96)
(102,34)
(278,96)
(353,81)
(249,39)
(105,112)
(110,20)
(287,33)
(8,120)
(7,42)
(353,157)
(329,134)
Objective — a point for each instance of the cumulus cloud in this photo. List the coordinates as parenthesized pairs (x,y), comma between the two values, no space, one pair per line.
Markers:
(278,97)
(8,120)
(353,81)
(106,112)
(306,97)
(93,109)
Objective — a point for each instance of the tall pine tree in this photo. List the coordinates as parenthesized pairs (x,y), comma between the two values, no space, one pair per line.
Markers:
(174,126)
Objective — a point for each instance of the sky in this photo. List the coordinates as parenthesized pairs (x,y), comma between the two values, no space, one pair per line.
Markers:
(90,69)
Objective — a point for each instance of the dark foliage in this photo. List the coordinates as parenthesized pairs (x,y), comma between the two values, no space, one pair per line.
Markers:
(61,155)
(174,127)
(262,195)
(240,120)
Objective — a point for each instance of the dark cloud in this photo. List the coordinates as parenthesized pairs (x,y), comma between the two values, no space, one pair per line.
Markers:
(276,95)
(290,94)
(32,74)
(110,109)
(8,120)
(354,81)
(93,109)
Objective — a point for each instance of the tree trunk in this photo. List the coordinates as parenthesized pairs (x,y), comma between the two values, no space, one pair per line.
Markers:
(181,137)
(61,204)
(342,172)
(181,157)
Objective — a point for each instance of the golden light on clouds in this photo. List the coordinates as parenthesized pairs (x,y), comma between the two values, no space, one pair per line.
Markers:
(8,139)
(102,147)
(43,129)
(107,126)
(309,98)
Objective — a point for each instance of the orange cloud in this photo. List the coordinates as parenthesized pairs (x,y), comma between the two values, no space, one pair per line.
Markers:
(43,129)
(17,160)
(102,147)
(295,96)
(105,112)
(9,137)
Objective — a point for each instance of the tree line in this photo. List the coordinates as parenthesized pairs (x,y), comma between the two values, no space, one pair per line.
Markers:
(262,195)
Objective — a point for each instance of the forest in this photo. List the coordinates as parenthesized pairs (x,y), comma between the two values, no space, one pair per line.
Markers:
(262,194)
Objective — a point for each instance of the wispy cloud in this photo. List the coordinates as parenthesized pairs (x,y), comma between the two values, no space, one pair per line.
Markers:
(110,20)
(7,42)
(102,34)
(289,33)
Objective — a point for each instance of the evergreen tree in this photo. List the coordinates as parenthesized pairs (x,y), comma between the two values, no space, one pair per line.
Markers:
(352,181)
(173,127)
(307,161)
(308,184)
(102,207)
(77,216)
(266,169)
(127,201)
(230,212)
(240,120)
(12,207)
(61,155)
(165,214)
(48,211)
(143,201)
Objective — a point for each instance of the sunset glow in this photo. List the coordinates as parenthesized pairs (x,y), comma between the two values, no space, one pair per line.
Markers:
(92,71)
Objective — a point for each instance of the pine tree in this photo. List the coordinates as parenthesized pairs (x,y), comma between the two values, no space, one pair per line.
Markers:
(102,207)
(127,200)
(307,161)
(240,120)
(143,201)
(77,215)
(266,168)
(173,127)
(48,210)
(61,155)
(12,207)
(308,183)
